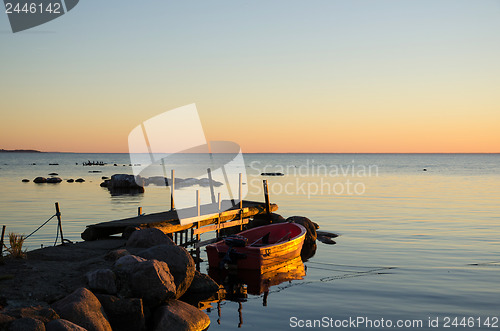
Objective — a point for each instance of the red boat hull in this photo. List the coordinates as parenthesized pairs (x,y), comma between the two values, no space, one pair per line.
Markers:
(285,243)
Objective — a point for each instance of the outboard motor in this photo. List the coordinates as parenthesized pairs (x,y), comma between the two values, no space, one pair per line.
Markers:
(232,256)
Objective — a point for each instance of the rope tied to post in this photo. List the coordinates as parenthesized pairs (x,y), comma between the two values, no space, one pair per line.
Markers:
(47,221)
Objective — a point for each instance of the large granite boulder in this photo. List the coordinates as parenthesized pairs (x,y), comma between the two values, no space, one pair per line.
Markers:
(202,284)
(124,314)
(63,325)
(146,238)
(84,309)
(102,280)
(179,261)
(116,254)
(150,280)
(42,313)
(180,316)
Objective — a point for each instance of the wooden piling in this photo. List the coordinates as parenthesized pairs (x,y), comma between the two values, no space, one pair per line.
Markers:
(266,196)
(59,222)
(139,211)
(212,194)
(217,232)
(172,191)
(1,240)
(240,198)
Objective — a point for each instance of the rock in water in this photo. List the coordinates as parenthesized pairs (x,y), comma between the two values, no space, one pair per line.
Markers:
(40,180)
(146,238)
(178,315)
(202,287)
(83,308)
(308,224)
(179,261)
(122,183)
(264,219)
(54,180)
(63,325)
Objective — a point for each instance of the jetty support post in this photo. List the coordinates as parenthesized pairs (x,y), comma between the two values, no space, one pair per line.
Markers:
(210,182)
(1,241)
(197,226)
(59,222)
(240,199)
(172,191)
(218,219)
(266,197)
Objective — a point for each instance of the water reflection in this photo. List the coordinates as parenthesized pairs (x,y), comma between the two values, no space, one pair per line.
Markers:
(237,285)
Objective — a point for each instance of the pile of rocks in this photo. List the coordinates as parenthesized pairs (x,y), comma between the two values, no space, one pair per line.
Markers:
(136,287)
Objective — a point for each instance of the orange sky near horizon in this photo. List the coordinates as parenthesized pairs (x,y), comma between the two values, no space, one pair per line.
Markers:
(323,77)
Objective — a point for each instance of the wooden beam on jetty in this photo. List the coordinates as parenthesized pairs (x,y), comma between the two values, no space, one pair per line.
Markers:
(168,221)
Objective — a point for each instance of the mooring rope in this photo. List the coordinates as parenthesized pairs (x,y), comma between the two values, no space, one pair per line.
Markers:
(47,221)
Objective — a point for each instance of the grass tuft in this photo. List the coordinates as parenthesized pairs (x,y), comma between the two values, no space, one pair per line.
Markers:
(16,246)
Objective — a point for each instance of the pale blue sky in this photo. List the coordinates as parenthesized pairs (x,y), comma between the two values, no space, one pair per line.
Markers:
(374,72)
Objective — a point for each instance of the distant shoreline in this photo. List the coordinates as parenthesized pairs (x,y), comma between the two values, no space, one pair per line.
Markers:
(20,151)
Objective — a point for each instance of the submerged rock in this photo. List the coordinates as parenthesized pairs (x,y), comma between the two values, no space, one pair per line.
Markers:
(25,180)
(80,180)
(178,315)
(54,180)
(83,308)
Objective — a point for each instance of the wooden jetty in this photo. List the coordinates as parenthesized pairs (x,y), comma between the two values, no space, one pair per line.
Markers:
(169,223)
(198,219)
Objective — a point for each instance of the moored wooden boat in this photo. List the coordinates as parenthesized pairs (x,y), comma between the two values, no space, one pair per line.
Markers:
(264,248)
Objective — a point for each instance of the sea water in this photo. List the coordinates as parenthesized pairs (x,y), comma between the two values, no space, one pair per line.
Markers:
(419,233)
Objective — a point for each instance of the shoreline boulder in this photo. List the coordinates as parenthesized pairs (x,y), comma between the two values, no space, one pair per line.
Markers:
(84,309)
(146,238)
(179,261)
(178,315)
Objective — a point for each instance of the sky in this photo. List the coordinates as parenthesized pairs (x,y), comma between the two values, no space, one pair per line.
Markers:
(285,76)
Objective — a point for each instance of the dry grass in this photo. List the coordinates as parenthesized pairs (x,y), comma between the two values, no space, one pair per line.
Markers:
(16,246)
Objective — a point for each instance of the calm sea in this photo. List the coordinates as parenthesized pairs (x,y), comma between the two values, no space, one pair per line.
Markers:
(415,245)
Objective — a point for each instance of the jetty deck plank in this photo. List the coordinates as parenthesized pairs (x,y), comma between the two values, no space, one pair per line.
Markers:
(168,221)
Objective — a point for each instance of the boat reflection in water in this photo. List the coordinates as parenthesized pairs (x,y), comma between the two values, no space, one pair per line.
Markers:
(237,284)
